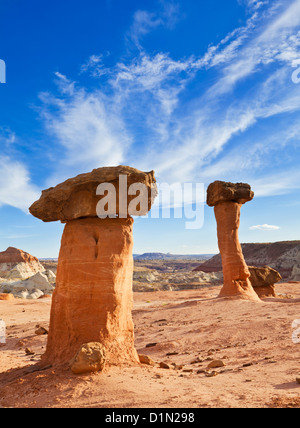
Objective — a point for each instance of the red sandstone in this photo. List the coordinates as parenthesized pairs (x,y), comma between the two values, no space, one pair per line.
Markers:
(227,199)
(14,255)
(92,301)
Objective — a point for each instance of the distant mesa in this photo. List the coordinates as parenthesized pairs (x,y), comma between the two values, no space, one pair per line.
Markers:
(283,256)
(168,256)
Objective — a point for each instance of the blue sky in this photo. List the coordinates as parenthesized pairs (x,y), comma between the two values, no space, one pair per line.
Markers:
(196,90)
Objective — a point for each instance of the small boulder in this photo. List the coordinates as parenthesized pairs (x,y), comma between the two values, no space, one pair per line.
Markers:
(6,296)
(89,358)
(216,364)
(263,279)
(40,331)
(166,366)
(36,294)
(144,359)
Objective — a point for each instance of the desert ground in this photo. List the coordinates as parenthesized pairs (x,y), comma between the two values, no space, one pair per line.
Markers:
(186,329)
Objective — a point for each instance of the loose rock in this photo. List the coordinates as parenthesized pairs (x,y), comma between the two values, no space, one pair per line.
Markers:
(41,331)
(89,358)
(216,364)
(144,359)
(163,365)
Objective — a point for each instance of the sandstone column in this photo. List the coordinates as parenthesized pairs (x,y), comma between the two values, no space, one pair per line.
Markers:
(93,298)
(227,199)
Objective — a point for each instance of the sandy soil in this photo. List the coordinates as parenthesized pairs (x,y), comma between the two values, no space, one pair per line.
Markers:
(190,328)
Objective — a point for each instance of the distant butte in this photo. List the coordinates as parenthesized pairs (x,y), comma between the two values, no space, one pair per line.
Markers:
(14,255)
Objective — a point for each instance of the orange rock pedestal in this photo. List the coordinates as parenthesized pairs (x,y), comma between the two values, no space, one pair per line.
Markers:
(235,270)
(93,298)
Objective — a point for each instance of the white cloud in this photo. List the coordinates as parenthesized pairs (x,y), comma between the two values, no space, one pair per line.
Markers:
(16,236)
(88,128)
(95,66)
(144,21)
(16,188)
(255,4)
(140,117)
(276,38)
(266,227)
(276,183)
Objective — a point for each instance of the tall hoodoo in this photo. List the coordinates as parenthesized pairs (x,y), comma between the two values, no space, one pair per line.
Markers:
(93,298)
(227,200)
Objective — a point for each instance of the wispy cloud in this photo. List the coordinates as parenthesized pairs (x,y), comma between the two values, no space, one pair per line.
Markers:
(17,236)
(88,128)
(95,66)
(254,4)
(147,115)
(264,227)
(145,21)
(16,188)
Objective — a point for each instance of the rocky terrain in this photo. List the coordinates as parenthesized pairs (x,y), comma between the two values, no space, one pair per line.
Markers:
(206,352)
(216,336)
(196,350)
(149,278)
(168,256)
(37,280)
(23,276)
(29,279)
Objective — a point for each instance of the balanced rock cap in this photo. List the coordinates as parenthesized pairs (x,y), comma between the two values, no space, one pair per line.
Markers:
(221,191)
(77,197)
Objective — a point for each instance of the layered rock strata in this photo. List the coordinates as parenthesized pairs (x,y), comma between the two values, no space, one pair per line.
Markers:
(17,264)
(79,197)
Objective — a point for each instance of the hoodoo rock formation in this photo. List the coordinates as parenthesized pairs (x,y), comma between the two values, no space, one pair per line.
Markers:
(227,199)
(93,299)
